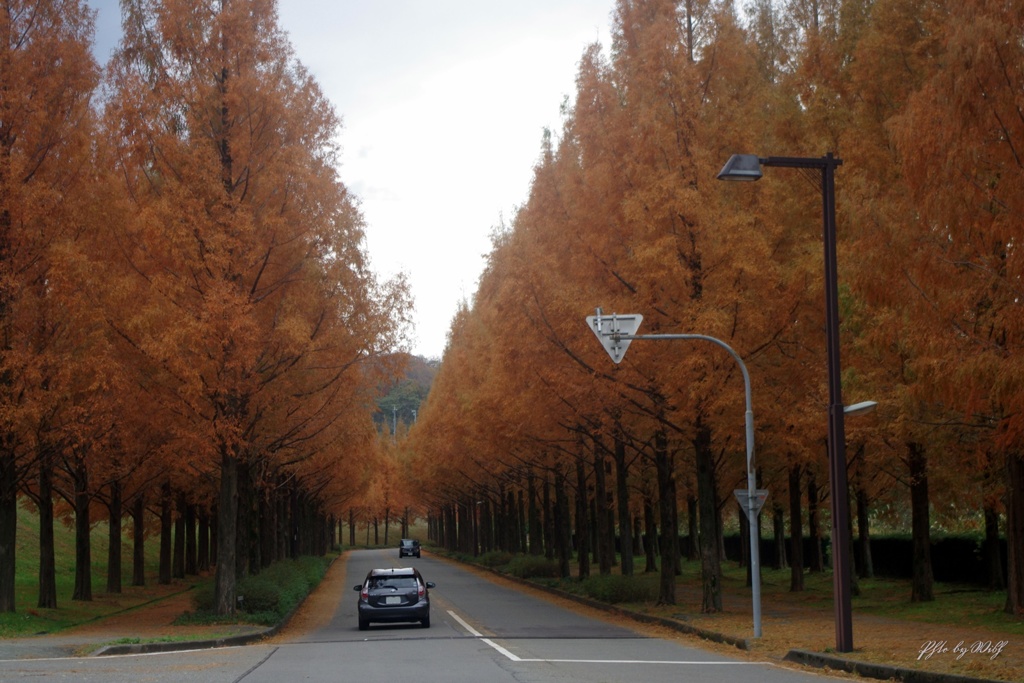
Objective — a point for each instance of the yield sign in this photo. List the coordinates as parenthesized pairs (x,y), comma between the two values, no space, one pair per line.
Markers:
(760,496)
(615,331)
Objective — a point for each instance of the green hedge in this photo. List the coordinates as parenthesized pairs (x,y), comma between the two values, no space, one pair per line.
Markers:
(267,597)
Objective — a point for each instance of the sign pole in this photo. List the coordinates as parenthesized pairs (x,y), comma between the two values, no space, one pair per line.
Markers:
(615,333)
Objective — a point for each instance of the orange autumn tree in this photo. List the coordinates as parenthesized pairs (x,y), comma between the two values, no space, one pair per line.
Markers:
(960,138)
(259,309)
(47,76)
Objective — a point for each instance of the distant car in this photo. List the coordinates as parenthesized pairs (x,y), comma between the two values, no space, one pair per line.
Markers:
(394,595)
(408,546)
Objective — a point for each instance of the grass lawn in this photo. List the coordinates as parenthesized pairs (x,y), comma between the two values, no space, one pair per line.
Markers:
(28,619)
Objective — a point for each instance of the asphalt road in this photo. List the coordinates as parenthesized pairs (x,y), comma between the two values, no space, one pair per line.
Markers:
(480,632)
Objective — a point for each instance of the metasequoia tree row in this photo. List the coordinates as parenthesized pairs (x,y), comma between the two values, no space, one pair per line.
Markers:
(921,102)
(191,330)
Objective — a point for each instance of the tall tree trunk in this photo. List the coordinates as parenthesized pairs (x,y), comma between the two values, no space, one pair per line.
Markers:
(471,522)
(243,521)
(83,526)
(536,531)
(549,519)
(166,527)
(563,541)
(203,550)
(227,518)
(638,536)
(295,519)
(796,532)
(254,547)
(1015,533)
(707,497)
(582,521)
(139,540)
(521,520)
(47,554)
(268,528)
(779,534)
(677,549)
(867,565)
(8,527)
(921,583)
(284,523)
(651,534)
(816,562)
(605,536)
(992,552)
(511,522)
(666,498)
(622,500)
(693,528)
(500,520)
(214,521)
(114,543)
(191,558)
(178,556)
(486,530)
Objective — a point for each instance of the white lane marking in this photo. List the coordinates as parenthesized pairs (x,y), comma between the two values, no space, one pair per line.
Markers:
(479,635)
(514,658)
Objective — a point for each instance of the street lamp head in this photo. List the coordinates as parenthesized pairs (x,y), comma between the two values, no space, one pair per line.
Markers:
(860,408)
(741,167)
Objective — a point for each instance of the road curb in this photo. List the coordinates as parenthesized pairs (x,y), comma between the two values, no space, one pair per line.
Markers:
(180,646)
(879,671)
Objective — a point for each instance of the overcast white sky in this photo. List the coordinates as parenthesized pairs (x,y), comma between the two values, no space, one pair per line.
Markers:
(444,103)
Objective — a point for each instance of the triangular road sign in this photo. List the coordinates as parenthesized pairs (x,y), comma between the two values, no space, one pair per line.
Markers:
(610,330)
(760,496)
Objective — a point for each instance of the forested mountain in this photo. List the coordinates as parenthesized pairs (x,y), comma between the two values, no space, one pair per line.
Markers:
(401,399)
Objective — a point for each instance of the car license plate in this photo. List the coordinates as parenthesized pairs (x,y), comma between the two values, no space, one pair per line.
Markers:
(392,600)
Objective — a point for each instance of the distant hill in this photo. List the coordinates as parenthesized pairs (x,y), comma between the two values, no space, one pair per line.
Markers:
(400,402)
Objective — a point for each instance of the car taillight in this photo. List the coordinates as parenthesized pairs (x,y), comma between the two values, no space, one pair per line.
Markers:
(365,593)
(423,590)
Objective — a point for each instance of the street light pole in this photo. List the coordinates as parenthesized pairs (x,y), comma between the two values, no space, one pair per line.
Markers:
(747,167)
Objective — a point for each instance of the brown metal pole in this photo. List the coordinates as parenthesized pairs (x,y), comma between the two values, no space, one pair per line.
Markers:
(836,426)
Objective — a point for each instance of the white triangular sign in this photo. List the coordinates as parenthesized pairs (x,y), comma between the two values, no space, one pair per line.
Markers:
(610,330)
(760,496)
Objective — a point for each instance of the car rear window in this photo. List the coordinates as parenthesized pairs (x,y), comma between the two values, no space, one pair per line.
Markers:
(395,582)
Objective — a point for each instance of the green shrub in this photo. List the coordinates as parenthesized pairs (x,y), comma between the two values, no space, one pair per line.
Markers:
(614,589)
(267,597)
(533,566)
(258,594)
(495,559)
(202,596)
